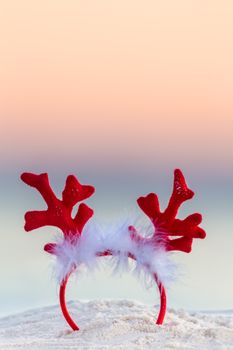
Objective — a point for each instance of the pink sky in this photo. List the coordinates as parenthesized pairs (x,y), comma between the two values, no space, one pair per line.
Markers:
(137,80)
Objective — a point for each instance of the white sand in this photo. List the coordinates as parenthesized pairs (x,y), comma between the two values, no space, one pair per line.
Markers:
(116,325)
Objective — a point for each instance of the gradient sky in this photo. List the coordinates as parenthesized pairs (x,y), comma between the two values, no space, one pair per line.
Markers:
(119,93)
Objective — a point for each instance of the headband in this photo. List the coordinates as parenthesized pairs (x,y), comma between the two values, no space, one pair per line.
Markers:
(82,245)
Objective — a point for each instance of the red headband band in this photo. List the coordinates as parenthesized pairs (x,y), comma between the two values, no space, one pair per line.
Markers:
(78,247)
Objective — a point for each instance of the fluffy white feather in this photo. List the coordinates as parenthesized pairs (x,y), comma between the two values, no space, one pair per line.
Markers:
(150,259)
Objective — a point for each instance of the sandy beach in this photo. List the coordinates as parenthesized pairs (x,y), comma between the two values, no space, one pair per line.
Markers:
(116,324)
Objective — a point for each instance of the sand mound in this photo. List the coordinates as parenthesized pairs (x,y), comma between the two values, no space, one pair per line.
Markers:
(120,324)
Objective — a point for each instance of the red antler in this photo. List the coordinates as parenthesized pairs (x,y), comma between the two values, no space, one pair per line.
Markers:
(166,224)
(59,211)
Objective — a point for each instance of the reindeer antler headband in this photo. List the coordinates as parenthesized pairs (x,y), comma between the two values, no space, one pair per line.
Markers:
(80,247)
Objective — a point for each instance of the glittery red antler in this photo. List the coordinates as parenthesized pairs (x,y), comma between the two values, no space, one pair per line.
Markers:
(59,211)
(165,222)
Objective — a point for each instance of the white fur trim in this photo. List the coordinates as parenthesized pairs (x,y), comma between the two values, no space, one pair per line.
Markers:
(150,259)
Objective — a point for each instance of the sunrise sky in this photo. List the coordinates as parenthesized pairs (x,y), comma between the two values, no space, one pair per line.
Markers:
(118,93)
